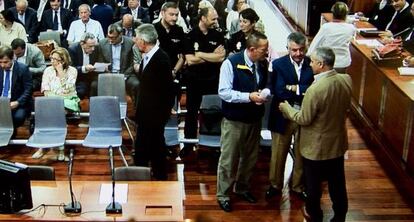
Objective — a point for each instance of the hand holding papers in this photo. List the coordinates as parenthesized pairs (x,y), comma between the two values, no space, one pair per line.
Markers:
(101,67)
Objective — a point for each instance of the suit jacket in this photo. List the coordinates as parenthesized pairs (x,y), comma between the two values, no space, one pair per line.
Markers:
(284,74)
(143,14)
(402,20)
(323,134)
(76,55)
(47,19)
(380,17)
(155,94)
(21,85)
(134,26)
(8,4)
(127,55)
(31,24)
(35,60)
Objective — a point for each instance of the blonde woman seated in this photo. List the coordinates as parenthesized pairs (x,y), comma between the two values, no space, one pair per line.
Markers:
(59,80)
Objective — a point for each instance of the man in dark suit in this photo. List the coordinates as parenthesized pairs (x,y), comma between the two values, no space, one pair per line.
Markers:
(289,80)
(139,13)
(128,25)
(84,56)
(119,51)
(323,135)
(61,23)
(401,19)
(155,100)
(16,84)
(28,17)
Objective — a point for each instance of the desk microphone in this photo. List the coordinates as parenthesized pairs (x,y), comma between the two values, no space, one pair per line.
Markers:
(74,206)
(113,207)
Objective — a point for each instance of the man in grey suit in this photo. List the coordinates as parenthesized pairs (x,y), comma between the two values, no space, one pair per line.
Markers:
(323,136)
(119,51)
(30,55)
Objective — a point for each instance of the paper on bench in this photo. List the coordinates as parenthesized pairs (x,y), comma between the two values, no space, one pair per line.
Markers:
(121,193)
(371,43)
(406,71)
(101,67)
(266,135)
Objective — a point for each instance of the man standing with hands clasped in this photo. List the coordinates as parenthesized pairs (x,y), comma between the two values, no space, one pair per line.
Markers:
(323,136)
(242,76)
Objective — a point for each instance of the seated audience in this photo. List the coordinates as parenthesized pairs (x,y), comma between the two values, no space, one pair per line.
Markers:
(10,29)
(336,35)
(380,15)
(84,24)
(59,80)
(153,6)
(20,92)
(30,55)
(139,13)
(56,19)
(28,18)
(232,21)
(84,55)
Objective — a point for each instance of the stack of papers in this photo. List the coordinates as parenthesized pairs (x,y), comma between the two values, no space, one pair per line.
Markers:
(371,43)
(406,71)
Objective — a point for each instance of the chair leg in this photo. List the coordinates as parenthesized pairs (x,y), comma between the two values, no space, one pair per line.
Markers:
(122,155)
(129,131)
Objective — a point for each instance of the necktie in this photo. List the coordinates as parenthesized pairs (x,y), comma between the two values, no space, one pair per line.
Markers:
(6,84)
(85,28)
(254,76)
(55,21)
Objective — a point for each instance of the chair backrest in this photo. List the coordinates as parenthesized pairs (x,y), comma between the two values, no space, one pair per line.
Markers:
(6,122)
(50,35)
(209,101)
(104,113)
(49,113)
(41,173)
(112,85)
(132,173)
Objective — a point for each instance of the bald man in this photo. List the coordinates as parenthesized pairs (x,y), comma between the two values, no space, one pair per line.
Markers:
(128,25)
(28,18)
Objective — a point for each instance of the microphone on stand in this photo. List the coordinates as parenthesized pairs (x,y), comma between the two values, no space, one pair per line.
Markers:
(74,206)
(113,207)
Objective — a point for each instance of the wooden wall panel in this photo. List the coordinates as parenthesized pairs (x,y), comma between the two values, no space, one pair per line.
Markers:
(371,102)
(356,71)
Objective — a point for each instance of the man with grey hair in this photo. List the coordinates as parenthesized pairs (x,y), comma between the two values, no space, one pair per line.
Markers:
(323,136)
(83,55)
(155,100)
(84,24)
(289,80)
(28,18)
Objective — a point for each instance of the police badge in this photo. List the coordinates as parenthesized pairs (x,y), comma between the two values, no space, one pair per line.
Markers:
(196,46)
(238,45)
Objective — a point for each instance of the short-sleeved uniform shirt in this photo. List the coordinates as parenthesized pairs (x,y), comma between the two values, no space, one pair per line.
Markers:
(171,42)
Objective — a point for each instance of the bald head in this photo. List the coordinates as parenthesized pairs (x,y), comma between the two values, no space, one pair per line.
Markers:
(127,21)
(21,6)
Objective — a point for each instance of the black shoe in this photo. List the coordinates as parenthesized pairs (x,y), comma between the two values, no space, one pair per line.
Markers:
(225,205)
(247,196)
(185,151)
(302,195)
(271,192)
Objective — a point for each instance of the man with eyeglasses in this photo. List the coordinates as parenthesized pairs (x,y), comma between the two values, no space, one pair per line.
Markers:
(15,84)
(83,56)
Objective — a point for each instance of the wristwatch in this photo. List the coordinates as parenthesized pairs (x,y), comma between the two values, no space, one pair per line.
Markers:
(289,87)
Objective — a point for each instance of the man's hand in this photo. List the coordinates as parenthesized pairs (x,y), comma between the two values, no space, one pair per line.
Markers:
(220,49)
(14,104)
(256,97)
(284,105)
(89,68)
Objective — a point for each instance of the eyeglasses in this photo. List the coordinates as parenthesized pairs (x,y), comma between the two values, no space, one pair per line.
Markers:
(55,59)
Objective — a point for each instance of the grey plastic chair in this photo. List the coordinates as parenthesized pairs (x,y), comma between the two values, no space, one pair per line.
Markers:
(132,173)
(50,35)
(41,173)
(114,85)
(6,122)
(50,123)
(105,129)
(267,143)
(207,102)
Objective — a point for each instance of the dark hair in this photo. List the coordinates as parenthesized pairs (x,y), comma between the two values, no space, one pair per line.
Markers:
(8,16)
(234,6)
(339,10)
(6,51)
(297,38)
(99,2)
(254,38)
(168,5)
(250,15)
(203,12)
(115,28)
(18,43)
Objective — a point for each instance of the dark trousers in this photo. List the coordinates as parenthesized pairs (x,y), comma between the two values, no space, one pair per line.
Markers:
(150,147)
(195,91)
(19,116)
(315,173)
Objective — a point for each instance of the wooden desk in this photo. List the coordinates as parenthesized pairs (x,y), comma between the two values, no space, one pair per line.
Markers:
(384,101)
(147,201)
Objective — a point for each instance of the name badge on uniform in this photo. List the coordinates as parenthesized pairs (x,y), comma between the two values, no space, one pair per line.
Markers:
(238,45)
(212,43)
(196,46)
(175,40)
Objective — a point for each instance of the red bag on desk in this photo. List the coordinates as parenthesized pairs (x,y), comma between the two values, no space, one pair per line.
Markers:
(389,50)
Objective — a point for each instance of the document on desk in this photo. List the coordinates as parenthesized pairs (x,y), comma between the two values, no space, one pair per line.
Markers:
(121,193)
(366,29)
(101,67)
(406,71)
(371,43)
(266,135)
